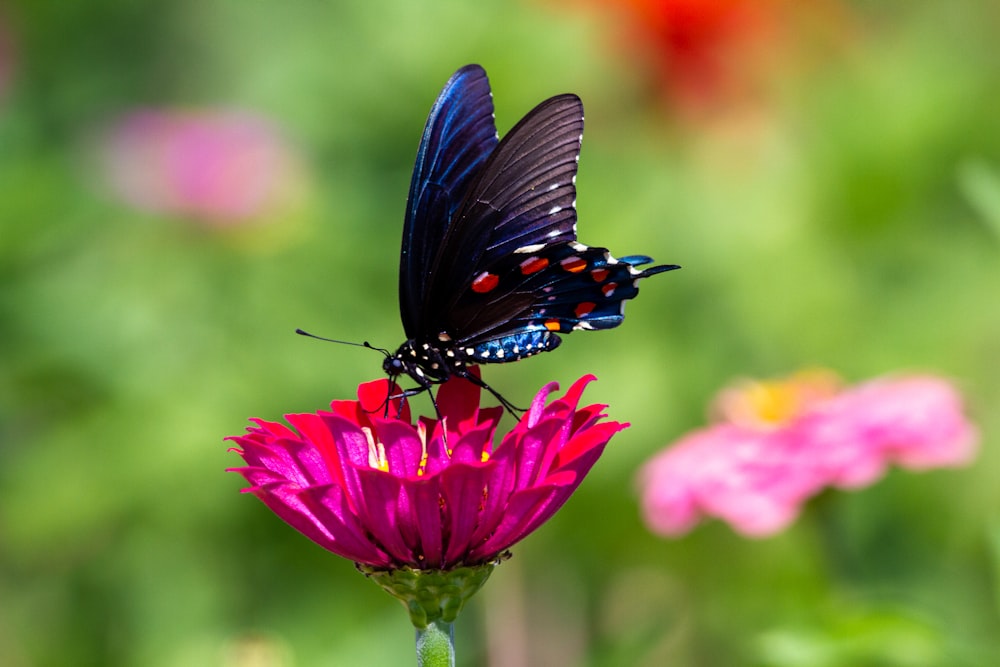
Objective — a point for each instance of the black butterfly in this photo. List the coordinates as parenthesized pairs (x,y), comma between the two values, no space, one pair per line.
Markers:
(490,269)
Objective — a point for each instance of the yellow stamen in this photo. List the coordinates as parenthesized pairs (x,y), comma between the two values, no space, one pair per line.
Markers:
(422,434)
(376,452)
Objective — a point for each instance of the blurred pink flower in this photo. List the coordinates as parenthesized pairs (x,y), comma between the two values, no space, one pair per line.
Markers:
(778,443)
(217,167)
(386,493)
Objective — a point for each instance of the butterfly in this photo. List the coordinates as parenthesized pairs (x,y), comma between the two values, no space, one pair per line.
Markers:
(490,269)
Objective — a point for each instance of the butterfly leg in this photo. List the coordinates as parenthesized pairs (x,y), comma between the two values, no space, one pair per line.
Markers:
(515,411)
(401,396)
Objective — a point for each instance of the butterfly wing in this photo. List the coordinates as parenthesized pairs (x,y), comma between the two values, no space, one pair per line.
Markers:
(504,274)
(458,137)
(510,273)
(523,197)
(558,288)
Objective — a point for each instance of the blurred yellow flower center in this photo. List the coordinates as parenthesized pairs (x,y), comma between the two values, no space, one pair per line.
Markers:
(769,404)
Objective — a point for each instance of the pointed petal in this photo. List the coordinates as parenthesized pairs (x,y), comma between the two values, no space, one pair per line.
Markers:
(381,492)
(462,488)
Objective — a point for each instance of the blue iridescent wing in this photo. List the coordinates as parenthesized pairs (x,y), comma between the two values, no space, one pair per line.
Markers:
(458,137)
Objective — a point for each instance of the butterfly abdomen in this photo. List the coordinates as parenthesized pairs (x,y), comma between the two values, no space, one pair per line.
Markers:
(512,347)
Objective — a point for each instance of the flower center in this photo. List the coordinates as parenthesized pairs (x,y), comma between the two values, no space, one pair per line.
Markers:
(767,404)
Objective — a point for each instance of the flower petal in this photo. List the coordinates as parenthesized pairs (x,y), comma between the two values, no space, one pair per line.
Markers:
(370,486)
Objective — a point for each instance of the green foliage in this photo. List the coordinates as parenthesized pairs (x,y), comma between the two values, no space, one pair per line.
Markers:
(851,222)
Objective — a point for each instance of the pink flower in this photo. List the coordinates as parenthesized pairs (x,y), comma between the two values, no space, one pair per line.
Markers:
(218,167)
(386,493)
(778,443)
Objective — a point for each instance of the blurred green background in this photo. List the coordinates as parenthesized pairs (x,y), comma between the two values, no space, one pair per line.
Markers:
(832,192)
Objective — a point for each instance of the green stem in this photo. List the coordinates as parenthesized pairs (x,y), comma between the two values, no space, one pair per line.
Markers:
(436,645)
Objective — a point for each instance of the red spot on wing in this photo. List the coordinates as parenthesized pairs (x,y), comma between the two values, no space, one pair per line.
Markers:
(609,288)
(533,265)
(485,282)
(584,307)
(599,275)
(574,264)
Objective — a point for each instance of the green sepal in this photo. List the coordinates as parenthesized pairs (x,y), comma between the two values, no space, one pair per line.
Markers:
(432,595)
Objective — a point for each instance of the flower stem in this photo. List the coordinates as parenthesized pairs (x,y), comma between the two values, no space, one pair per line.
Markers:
(436,645)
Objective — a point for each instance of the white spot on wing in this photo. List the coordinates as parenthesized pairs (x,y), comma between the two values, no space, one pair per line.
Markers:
(554,210)
(527,249)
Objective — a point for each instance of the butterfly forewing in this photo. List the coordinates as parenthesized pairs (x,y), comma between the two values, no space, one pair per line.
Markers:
(529,182)
(458,137)
(523,197)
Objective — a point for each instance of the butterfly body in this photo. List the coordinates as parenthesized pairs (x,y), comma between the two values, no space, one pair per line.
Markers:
(490,268)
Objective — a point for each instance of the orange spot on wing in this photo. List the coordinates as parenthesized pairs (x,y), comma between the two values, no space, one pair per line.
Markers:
(574,264)
(533,265)
(485,282)
(553,325)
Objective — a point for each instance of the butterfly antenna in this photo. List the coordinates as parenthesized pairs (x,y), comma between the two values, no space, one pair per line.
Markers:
(345,342)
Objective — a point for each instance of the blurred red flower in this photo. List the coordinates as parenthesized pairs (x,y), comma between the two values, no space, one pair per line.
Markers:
(706,50)
(387,493)
(711,55)
(778,443)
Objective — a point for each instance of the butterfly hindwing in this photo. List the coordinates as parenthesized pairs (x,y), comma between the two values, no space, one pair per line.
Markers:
(558,288)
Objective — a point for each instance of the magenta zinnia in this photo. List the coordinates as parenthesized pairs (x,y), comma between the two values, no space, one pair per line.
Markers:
(389,494)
